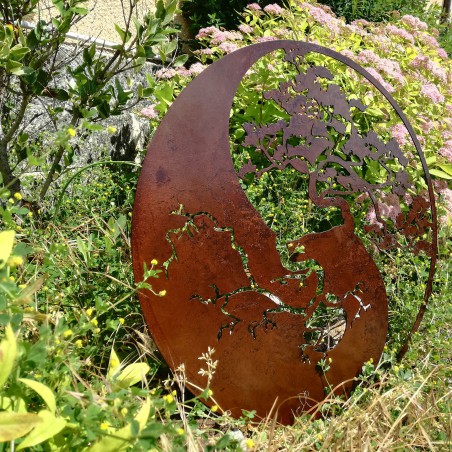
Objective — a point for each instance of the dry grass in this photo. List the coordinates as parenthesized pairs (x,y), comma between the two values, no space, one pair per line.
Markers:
(405,416)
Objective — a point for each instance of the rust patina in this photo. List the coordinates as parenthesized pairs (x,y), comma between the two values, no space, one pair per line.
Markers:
(226,286)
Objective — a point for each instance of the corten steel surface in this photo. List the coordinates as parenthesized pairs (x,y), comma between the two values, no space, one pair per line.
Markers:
(226,286)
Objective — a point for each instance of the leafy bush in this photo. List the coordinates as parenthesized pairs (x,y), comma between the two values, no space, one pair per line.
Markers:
(76,90)
(222,13)
(374,10)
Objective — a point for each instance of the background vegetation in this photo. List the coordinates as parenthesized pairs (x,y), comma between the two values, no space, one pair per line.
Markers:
(78,370)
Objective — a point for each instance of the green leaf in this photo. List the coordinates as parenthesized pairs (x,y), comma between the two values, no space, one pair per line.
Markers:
(132,374)
(180,60)
(91,126)
(50,426)
(122,33)
(15,425)
(14,67)
(446,167)
(43,391)
(8,351)
(6,245)
(120,439)
(18,53)
(440,174)
(143,415)
(113,364)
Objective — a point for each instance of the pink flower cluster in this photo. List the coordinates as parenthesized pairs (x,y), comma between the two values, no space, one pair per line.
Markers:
(423,61)
(323,15)
(400,133)
(446,150)
(228,47)
(183,72)
(443,54)
(427,125)
(430,91)
(428,40)
(218,36)
(390,67)
(169,73)
(274,9)
(266,38)
(207,51)
(361,22)
(388,207)
(196,68)
(149,112)
(400,32)
(165,73)
(446,193)
(245,28)
(372,71)
(348,53)
(356,29)
(253,7)
(414,22)
(386,45)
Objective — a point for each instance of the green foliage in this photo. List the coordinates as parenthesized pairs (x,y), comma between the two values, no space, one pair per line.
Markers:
(77,369)
(374,10)
(222,13)
(33,69)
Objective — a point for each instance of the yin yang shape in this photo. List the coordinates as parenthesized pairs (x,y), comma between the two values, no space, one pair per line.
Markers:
(226,286)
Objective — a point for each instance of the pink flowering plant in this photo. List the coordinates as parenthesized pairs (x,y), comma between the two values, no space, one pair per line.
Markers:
(404,56)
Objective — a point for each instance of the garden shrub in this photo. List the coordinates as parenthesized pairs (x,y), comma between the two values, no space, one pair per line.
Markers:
(76,87)
(219,13)
(374,10)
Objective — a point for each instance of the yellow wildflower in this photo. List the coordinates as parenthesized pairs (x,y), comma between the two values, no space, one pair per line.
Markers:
(67,333)
(154,262)
(168,398)
(15,261)
(249,443)
(79,343)
(18,196)
(94,322)
(111,129)
(104,425)
(71,132)
(121,320)
(124,411)
(214,408)
(162,293)
(89,312)
(180,431)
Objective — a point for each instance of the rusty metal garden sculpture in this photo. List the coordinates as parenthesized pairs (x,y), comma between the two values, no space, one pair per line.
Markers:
(227,287)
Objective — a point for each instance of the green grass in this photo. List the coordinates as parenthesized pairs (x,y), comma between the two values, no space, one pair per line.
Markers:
(73,301)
